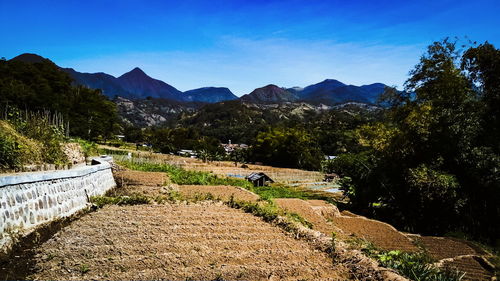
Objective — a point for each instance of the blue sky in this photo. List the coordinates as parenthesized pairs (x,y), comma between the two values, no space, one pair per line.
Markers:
(243,45)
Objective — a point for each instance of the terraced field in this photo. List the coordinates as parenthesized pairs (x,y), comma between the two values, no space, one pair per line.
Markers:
(327,219)
(210,241)
(179,241)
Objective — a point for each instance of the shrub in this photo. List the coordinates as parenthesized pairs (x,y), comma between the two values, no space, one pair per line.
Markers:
(89,148)
(101,201)
(416,266)
(17,150)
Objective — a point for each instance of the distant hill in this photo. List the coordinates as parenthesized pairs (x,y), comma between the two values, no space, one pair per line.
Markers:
(333,92)
(107,83)
(136,85)
(269,94)
(140,85)
(30,58)
(209,95)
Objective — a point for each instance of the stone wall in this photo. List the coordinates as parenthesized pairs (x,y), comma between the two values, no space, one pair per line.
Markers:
(29,200)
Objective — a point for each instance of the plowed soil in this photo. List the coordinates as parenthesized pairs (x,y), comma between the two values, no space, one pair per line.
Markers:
(381,234)
(459,255)
(442,247)
(223,192)
(130,177)
(179,242)
(136,182)
(472,268)
(304,209)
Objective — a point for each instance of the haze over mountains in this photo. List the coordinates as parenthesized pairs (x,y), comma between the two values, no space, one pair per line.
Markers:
(136,84)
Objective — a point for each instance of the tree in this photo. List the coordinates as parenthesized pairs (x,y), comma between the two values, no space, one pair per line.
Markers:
(433,165)
(288,147)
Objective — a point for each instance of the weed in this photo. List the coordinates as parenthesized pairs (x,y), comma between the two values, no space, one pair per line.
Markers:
(50,256)
(172,196)
(415,266)
(89,148)
(269,212)
(334,236)
(101,201)
(283,191)
(184,177)
(84,268)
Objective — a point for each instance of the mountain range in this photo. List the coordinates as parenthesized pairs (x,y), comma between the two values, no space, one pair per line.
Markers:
(136,85)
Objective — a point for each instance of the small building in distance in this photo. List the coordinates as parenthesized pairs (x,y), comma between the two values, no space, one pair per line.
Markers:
(230,147)
(259,179)
(187,153)
(331,177)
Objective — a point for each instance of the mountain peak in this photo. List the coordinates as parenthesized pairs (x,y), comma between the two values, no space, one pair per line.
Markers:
(136,72)
(209,94)
(269,94)
(30,58)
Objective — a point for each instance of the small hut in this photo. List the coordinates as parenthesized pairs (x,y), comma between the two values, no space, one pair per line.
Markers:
(259,179)
(331,177)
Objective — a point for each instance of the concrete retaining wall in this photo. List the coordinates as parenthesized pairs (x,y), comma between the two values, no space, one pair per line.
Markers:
(32,199)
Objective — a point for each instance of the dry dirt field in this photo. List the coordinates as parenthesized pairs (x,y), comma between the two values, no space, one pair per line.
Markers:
(326,220)
(209,241)
(458,254)
(179,242)
(137,182)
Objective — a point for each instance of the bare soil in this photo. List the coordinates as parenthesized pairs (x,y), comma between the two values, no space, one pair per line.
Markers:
(458,254)
(223,192)
(443,247)
(472,267)
(203,241)
(381,234)
(130,177)
(304,209)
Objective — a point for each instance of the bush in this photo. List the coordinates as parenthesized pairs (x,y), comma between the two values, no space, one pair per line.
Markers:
(416,266)
(101,201)
(89,148)
(17,150)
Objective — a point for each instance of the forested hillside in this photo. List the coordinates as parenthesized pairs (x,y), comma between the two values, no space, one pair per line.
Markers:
(40,85)
(432,164)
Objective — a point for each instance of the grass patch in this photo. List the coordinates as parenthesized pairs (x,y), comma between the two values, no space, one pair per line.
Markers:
(184,177)
(268,211)
(283,191)
(84,268)
(415,266)
(101,201)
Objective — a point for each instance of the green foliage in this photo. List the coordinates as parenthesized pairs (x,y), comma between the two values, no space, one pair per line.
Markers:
(17,150)
(89,148)
(416,266)
(101,201)
(84,268)
(287,148)
(172,140)
(433,165)
(181,176)
(43,86)
(268,211)
(282,191)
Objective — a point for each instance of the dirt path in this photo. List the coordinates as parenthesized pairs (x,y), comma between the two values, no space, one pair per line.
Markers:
(179,241)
